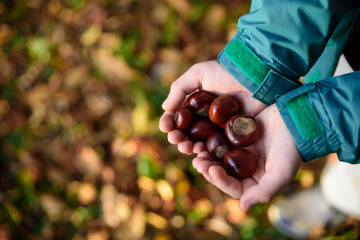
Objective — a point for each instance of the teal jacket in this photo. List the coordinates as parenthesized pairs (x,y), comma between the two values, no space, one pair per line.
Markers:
(286,53)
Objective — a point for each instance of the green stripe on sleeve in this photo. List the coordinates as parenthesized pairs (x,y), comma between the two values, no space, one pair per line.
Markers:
(304,117)
(247,61)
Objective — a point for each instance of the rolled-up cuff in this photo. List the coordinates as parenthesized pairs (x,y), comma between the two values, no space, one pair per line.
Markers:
(312,136)
(251,72)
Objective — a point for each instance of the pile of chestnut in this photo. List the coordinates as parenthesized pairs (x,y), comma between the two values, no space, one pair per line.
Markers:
(217,121)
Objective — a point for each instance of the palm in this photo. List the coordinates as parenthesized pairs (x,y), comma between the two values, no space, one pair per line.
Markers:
(209,76)
(219,81)
(278,162)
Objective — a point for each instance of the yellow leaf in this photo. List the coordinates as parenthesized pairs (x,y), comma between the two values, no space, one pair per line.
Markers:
(13,212)
(307,179)
(165,190)
(89,161)
(156,220)
(219,225)
(53,206)
(146,183)
(111,66)
(87,193)
(91,35)
(140,118)
(183,187)
(76,76)
(177,221)
(234,213)
(163,236)
(204,206)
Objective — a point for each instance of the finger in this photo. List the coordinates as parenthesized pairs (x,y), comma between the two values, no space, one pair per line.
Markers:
(186,147)
(225,183)
(228,184)
(184,85)
(176,136)
(214,172)
(199,147)
(268,186)
(201,156)
(166,122)
(282,163)
(202,164)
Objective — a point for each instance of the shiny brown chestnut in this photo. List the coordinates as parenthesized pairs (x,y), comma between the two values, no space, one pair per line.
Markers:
(218,145)
(241,130)
(200,102)
(202,129)
(183,118)
(240,163)
(222,108)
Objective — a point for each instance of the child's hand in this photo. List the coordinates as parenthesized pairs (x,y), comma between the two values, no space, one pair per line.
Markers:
(209,76)
(278,163)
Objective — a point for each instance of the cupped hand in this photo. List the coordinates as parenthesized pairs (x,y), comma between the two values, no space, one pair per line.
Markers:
(209,76)
(278,163)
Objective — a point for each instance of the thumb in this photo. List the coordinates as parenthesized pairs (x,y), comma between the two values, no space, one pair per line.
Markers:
(184,85)
(268,186)
(281,165)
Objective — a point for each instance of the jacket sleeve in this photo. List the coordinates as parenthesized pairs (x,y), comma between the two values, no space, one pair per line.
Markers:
(324,117)
(276,44)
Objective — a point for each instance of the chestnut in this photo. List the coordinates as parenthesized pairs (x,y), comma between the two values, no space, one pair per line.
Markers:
(183,118)
(241,130)
(218,145)
(202,129)
(222,108)
(200,102)
(240,163)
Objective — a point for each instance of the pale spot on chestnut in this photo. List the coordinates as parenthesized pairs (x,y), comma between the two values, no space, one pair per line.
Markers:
(241,130)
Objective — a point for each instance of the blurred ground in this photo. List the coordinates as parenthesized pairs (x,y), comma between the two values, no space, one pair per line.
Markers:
(81,156)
